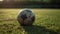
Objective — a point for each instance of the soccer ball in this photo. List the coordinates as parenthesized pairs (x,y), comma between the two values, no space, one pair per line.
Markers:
(26,17)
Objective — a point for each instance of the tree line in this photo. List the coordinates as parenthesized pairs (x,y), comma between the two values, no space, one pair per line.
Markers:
(30,3)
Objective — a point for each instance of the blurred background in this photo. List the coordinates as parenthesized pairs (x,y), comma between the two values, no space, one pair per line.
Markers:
(47,16)
(29,3)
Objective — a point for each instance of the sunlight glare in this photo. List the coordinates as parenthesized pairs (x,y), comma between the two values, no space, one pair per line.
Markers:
(1,0)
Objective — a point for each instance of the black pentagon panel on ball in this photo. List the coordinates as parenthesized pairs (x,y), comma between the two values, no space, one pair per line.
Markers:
(26,17)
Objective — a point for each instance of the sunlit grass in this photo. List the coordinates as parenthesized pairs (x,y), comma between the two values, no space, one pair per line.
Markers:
(47,22)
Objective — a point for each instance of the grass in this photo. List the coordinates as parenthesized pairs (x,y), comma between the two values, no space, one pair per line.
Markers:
(47,22)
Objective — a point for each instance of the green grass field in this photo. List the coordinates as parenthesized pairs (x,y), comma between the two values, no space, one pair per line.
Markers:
(47,22)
